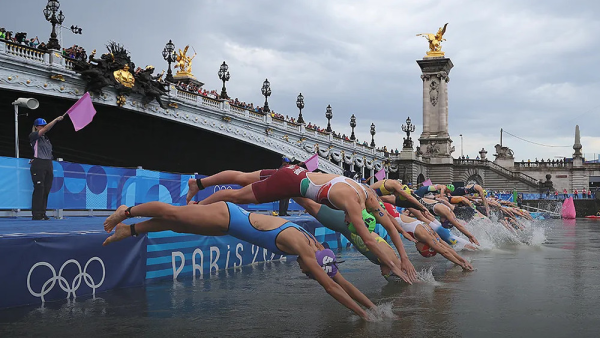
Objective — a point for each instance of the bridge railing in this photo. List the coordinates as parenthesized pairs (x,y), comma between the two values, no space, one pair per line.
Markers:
(24,52)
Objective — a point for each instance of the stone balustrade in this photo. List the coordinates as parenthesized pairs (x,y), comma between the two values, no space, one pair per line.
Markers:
(24,52)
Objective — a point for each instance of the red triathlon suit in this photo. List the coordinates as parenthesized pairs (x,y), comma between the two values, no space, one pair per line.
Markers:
(291,181)
(276,184)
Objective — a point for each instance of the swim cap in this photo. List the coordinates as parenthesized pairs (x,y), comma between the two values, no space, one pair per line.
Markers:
(446,224)
(425,250)
(369,220)
(450,187)
(39,122)
(326,259)
(484,193)
(406,188)
(392,210)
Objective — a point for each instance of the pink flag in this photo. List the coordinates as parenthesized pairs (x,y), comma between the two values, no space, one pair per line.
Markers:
(82,112)
(312,163)
(427,183)
(380,174)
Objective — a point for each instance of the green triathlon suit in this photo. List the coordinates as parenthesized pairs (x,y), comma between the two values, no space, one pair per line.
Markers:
(335,220)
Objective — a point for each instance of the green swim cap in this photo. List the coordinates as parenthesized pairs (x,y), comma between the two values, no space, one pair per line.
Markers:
(369,220)
(450,187)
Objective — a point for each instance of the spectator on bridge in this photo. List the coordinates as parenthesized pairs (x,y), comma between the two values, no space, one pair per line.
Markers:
(2,33)
(556,194)
(590,193)
(583,193)
(575,193)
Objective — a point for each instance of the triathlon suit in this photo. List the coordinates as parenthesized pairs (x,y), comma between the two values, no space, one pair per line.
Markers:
(320,193)
(408,227)
(461,191)
(429,206)
(335,220)
(422,191)
(401,201)
(292,181)
(457,243)
(382,191)
(240,227)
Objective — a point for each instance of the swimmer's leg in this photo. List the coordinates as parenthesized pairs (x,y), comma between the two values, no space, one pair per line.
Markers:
(224,177)
(212,220)
(237,196)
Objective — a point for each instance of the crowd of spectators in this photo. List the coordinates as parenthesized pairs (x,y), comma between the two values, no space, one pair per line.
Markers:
(75,53)
(21,39)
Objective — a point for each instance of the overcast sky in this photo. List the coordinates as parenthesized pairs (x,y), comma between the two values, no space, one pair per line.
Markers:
(526,66)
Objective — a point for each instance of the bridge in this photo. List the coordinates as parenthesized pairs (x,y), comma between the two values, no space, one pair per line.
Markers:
(29,70)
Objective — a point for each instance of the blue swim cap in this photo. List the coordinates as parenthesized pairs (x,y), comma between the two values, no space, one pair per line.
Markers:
(39,122)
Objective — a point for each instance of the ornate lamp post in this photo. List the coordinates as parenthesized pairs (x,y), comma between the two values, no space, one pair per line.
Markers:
(300,105)
(50,13)
(409,128)
(224,76)
(329,115)
(266,91)
(373,134)
(353,125)
(170,56)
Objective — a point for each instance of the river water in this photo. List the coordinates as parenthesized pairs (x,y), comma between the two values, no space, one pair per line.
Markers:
(543,283)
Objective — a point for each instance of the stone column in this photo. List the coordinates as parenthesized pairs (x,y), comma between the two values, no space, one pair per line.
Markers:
(436,144)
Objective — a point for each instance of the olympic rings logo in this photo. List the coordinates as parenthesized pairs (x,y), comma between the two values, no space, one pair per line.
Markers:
(62,281)
(221,187)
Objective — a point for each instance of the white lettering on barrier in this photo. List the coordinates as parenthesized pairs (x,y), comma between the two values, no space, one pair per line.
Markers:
(255,250)
(177,271)
(213,263)
(196,266)
(215,254)
(227,259)
(239,247)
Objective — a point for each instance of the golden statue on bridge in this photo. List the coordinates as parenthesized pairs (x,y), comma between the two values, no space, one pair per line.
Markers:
(184,63)
(435,42)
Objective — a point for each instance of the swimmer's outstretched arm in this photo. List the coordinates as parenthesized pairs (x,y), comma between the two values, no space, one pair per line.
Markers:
(413,200)
(353,292)
(383,218)
(401,229)
(438,245)
(354,210)
(331,287)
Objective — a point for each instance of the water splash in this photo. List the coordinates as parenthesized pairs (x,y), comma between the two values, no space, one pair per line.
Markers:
(491,234)
(381,312)
(426,276)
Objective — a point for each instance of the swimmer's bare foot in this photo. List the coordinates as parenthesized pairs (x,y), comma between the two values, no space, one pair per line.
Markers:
(117,217)
(193,190)
(122,231)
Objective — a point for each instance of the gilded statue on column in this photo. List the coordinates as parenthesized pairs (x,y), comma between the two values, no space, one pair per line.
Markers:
(435,42)
(184,63)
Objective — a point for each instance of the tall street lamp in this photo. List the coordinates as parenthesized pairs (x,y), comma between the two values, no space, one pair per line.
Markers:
(266,91)
(55,19)
(329,115)
(25,103)
(353,125)
(461,145)
(373,134)
(170,56)
(408,128)
(300,105)
(224,76)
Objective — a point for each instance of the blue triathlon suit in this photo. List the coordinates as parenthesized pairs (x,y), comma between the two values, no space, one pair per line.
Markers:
(422,191)
(241,228)
(461,191)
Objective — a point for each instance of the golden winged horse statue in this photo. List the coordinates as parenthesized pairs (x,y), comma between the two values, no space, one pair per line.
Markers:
(435,42)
